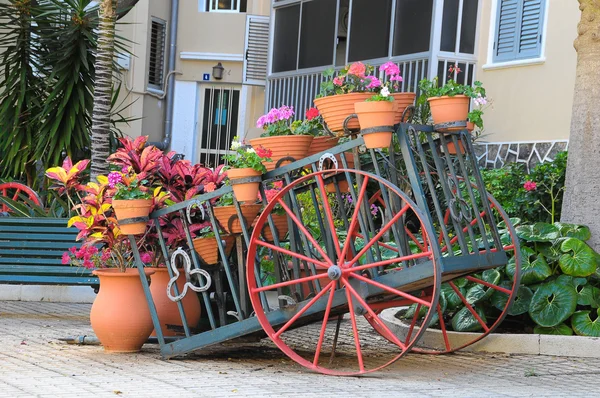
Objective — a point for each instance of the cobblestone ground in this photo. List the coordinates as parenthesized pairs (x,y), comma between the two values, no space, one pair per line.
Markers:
(34,363)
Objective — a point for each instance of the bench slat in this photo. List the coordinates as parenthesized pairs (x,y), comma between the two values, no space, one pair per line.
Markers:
(46,230)
(37,237)
(49,280)
(31,260)
(36,245)
(12,253)
(61,222)
(45,270)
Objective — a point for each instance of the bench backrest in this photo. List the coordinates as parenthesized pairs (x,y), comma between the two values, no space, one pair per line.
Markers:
(31,250)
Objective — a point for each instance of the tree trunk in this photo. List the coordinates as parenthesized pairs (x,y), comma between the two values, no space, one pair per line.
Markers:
(102,88)
(581,203)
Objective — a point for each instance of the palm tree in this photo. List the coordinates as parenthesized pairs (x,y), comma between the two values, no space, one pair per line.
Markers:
(580,203)
(109,12)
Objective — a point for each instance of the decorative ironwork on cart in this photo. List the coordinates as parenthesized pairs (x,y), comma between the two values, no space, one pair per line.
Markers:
(403,229)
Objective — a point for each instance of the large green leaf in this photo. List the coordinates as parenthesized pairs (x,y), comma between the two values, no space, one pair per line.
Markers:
(589,295)
(552,303)
(453,300)
(479,292)
(583,324)
(533,270)
(520,304)
(559,330)
(573,231)
(579,258)
(538,232)
(551,250)
(464,321)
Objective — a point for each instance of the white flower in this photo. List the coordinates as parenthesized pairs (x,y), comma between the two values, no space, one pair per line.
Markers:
(385,92)
(250,150)
(235,145)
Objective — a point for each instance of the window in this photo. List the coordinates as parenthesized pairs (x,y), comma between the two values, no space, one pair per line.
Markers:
(156,63)
(226,5)
(519,29)
(412,29)
(317,33)
(369,29)
(467,28)
(285,41)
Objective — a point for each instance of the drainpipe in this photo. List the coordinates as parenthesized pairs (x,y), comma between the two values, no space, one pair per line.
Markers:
(166,142)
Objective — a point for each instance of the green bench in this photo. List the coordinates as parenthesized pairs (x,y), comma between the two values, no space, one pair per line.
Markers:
(31,252)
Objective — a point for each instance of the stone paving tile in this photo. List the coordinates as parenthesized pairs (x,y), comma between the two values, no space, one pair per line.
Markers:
(34,363)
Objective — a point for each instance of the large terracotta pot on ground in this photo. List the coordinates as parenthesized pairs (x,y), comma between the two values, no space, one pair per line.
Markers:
(132,208)
(247,191)
(227,215)
(285,146)
(320,144)
(168,312)
(401,102)
(336,108)
(208,250)
(449,109)
(120,316)
(375,114)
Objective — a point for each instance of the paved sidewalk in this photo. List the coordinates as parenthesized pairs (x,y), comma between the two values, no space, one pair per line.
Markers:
(34,363)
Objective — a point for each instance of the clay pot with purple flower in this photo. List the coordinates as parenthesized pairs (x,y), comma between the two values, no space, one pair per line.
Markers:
(285,146)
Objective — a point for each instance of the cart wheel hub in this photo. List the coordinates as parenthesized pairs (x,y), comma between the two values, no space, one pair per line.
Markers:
(334,272)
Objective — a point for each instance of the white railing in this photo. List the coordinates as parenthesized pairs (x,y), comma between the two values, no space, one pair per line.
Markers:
(299,88)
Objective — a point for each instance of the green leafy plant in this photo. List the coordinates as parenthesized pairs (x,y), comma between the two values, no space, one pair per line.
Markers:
(383,95)
(128,187)
(248,157)
(351,79)
(311,125)
(431,89)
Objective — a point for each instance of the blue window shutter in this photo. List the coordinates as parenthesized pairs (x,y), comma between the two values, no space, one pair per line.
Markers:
(507,26)
(530,33)
(519,28)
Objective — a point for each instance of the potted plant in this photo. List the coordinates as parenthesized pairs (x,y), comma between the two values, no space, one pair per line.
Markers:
(401,99)
(278,137)
(205,244)
(313,125)
(338,94)
(245,168)
(131,199)
(450,102)
(226,214)
(376,111)
(278,215)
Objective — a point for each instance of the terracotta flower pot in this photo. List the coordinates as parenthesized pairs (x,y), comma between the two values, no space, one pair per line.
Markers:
(120,316)
(375,114)
(125,209)
(401,102)
(304,274)
(247,191)
(281,223)
(470,126)
(342,184)
(321,144)
(336,108)
(285,146)
(227,215)
(452,148)
(449,109)
(168,312)
(208,250)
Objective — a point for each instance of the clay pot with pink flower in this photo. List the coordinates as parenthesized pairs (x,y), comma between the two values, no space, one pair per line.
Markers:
(313,125)
(245,167)
(340,92)
(402,100)
(284,145)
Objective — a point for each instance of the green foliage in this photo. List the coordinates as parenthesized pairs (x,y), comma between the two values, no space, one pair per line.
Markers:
(351,79)
(134,190)
(543,203)
(247,157)
(430,88)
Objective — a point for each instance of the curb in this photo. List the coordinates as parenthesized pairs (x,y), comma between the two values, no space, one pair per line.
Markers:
(532,344)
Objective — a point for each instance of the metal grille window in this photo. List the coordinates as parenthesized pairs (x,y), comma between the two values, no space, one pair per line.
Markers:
(226,5)
(157,54)
(519,29)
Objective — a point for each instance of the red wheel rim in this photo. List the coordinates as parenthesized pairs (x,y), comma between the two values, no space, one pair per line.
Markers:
(14,191)
(310,345)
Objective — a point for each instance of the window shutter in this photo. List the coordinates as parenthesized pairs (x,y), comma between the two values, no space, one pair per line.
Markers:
(506,30)
(530,35)
(156,60)
(518,29)
(256,50)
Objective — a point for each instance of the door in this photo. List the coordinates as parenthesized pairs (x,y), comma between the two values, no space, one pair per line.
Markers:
(219,123)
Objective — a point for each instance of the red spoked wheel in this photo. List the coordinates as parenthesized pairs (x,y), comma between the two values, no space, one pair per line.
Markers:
(14,190)
(323,330)
(460,298)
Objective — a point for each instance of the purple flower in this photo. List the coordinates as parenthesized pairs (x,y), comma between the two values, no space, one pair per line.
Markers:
(480,100)
(390,69)
(114,178)
(374,210)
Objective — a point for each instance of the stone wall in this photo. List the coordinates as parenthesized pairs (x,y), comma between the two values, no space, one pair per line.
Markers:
(496,154)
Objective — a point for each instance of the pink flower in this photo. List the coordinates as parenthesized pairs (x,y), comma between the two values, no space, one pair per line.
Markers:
(114,178)
(530,186)
(146,257)
(396,78)
(374,83)
(357,69)
(390,69)
(278,184)
(338,81)
(312,113)
(209,187)
(73,250)
(88,264)
(66,259)
(80,253)
(105,255)
(480,100)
